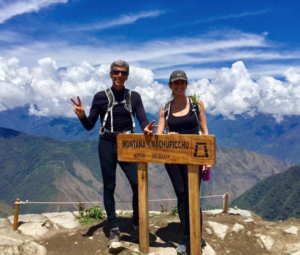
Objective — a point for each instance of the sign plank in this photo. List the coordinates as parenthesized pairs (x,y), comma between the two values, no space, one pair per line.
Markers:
(176,149)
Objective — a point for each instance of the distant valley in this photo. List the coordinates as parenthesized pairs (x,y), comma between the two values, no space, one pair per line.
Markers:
(45,169)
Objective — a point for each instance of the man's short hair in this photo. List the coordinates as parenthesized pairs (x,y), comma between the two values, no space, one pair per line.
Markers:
(119,63)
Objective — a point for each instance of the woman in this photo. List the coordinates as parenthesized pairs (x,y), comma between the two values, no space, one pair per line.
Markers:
(182,116)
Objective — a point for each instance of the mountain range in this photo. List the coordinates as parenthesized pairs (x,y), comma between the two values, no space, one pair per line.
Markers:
(260,133)
(37,168)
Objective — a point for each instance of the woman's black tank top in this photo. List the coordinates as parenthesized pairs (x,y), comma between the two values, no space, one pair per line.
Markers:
(187,124)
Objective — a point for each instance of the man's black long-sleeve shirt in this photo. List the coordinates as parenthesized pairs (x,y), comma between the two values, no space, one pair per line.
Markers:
(121,117)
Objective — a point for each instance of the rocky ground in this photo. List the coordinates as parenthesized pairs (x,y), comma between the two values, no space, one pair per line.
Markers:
(237,233)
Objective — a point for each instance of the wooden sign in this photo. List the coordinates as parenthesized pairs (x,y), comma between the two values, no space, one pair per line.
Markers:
(192,150)
(176,149)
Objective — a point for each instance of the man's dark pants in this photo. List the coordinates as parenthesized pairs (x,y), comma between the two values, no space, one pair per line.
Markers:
(108,161)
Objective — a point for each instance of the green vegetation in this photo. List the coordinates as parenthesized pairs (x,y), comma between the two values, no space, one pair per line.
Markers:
(92,215)
(195,98)
(174,211)
(275,198)
(163,209)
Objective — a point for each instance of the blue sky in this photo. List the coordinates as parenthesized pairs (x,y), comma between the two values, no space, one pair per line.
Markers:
(222,45)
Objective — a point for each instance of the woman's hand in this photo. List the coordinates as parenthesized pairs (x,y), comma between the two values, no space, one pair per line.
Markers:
(149,129)
(172,133)
(78,108)
(206,167)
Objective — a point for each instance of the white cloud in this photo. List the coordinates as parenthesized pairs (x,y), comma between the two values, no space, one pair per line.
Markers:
(15,84)
(272,69)
(48,89)
(154,54)
(232,16)
(9,10)
(234,92)
(9,36)
(162,56)
(123,20)
(292,76)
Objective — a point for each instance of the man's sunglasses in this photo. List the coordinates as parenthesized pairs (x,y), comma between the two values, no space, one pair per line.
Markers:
(116,72)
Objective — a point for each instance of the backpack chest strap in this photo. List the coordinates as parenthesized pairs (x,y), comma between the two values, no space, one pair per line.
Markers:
(111,103)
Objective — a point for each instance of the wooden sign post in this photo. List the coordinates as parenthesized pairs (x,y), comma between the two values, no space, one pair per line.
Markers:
(193,150)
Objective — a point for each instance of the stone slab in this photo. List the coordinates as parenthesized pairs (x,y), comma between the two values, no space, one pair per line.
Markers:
(35,230)
(6,240)
(267,241)
(219,229)
(216,211)
(237,228)
(208,250)
(63,219)
(4,223)
(32,248)
(9,250)
(26,218)
(239,212)
(292,230)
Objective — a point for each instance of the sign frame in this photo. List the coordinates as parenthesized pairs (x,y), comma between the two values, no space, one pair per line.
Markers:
(197,150)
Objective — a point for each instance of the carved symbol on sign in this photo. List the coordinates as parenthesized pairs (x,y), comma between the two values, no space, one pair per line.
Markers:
(205,155)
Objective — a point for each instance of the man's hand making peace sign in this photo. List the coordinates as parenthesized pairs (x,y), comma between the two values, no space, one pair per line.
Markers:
(78,108)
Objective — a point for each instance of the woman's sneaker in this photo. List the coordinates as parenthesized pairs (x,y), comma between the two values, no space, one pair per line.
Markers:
(114,236)
(184,247)
(181,249)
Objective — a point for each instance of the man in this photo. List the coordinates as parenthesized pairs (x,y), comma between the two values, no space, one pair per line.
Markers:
(116,107)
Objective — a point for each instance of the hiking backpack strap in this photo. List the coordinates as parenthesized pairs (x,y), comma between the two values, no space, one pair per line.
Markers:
(166,113)
(111,103)
(196,110)
(127,106)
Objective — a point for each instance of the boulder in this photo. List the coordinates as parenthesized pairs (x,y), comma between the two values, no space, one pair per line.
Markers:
(237,228)
(63,219)
(219,229)
(292,230)
(35,230)
(32,248)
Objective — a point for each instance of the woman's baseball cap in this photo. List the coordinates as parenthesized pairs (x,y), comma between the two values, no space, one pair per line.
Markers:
(178,75)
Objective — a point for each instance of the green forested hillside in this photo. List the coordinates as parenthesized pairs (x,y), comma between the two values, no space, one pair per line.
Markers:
(275,198)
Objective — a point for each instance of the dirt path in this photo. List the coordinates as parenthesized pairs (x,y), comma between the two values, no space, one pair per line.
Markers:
(91,240)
